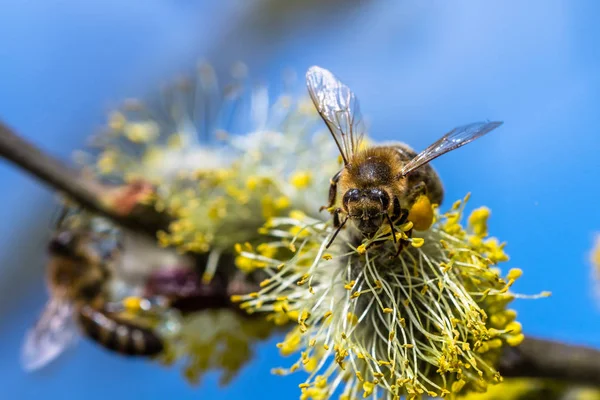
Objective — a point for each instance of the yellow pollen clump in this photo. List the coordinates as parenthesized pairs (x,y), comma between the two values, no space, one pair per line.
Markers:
(421,213)
(248,264)
(417,242)
(301,180)
(141,132)
(217,209)
(107,162)
(252,183)
(478,221)
(297,214)
(311,365)
(132,303)
(266,250)
(514,273)
(282,202)
(291,344)
(352,318)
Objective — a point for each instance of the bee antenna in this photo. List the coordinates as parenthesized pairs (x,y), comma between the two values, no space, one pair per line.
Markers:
(337,231)
(391,226)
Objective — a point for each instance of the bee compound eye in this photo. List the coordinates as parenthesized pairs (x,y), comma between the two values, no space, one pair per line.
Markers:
(351,195)
(380,196)
(61,243)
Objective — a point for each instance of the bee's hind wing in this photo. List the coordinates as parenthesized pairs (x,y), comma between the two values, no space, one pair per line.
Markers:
(452,140)
(51,335)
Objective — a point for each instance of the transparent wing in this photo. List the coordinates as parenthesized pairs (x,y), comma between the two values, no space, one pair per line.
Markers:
(338,107)
(53,333)
(454,139)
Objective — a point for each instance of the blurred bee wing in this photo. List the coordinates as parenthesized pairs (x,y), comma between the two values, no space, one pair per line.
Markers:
(338,107)
(54,331)
(454,139)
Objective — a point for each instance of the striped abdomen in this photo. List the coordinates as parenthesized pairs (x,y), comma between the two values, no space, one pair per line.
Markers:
(118,335)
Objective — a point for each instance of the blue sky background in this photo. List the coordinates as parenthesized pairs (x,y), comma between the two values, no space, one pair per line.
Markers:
(419,69)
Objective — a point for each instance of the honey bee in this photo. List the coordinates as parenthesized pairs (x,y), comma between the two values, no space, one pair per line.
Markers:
(379,184)
(78,274)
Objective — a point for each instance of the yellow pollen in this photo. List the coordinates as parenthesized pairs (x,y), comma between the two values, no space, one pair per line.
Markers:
(301,180)
(132,303)
(417,242)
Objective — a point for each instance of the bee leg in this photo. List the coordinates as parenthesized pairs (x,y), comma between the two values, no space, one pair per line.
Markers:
(336,218)
(400,248)
(332,191)
(393,230)
(339,227)
(401,221)
(397,210)
(403,242)
(401,245)
(399,214)
(403,216)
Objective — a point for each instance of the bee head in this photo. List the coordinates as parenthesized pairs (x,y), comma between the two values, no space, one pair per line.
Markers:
(69,244)
(367,208)
(63,243)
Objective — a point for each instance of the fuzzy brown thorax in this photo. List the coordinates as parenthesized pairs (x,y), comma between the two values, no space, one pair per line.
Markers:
(76,271)
(370,169)
(372,189)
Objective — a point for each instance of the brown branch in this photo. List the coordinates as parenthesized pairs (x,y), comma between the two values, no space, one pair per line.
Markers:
(117,203)
(534,358)
(546,359)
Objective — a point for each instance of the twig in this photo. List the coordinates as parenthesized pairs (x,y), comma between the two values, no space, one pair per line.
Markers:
(534,358)
(116,203)
(540,358)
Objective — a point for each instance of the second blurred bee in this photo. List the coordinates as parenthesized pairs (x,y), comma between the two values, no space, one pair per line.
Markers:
(80,279)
